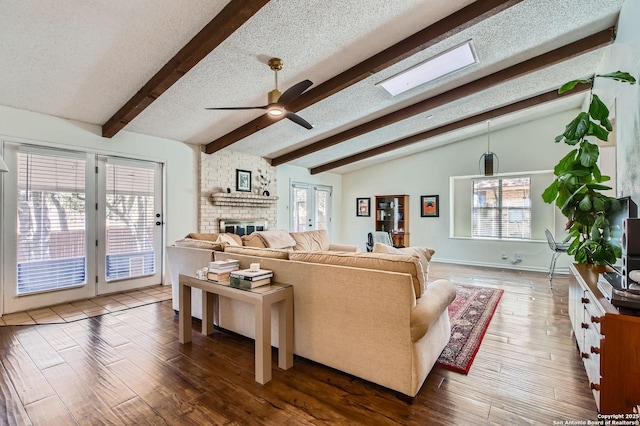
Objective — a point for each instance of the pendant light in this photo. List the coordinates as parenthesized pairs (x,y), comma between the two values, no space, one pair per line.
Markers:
(489,160)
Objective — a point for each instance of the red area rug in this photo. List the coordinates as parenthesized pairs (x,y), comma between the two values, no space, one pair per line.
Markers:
(470,314)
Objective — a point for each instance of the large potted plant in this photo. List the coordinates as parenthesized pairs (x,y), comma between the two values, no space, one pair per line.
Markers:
(577,187)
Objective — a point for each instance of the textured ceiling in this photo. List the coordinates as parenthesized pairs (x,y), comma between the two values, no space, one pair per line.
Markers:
(83,59)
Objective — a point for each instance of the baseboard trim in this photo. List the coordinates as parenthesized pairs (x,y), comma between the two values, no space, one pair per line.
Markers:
(559,271)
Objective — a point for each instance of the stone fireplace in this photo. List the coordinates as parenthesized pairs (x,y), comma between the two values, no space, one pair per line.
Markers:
(220,204)
(243,226)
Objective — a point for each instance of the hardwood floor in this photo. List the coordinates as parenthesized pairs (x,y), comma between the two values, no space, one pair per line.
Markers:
(128,368)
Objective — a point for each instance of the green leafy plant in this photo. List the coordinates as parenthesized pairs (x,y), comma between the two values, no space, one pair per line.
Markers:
(576,188)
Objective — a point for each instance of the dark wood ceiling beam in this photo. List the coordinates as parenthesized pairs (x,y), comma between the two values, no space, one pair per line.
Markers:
(479,118)
(454,23)
(580,47)
(225,23)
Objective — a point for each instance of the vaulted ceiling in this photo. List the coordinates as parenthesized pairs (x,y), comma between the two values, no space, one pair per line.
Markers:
(153,66)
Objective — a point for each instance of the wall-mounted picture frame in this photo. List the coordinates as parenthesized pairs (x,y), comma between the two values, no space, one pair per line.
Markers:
(429,206)
(243,180)
(363,207)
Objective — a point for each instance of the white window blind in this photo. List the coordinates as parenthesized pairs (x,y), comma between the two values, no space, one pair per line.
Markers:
(51,249)
(323,203)
(130,220)
(502,208)
(299,216)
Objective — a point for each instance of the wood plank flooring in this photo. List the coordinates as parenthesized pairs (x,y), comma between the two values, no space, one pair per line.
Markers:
(127,368)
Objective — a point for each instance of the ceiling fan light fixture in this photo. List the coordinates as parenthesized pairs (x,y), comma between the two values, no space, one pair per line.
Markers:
(275,111)
(447,62)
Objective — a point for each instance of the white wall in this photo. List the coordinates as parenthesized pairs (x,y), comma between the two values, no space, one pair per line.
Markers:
(287,174)
(180,159)
(624,55)
(526,147)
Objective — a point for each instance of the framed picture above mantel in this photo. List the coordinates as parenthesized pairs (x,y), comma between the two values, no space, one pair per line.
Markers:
(243,180)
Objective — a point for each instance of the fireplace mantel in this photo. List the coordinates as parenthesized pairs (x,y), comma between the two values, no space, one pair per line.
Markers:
(241,199)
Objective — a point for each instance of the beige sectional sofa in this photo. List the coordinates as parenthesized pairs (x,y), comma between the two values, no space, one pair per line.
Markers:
(372,315)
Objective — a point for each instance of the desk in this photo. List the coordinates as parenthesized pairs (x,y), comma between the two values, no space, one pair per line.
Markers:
(262,298)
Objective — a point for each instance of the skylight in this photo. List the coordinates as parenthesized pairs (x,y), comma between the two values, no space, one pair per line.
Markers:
(445,63)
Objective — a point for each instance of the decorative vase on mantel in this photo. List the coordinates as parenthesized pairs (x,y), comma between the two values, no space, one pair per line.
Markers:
(264,179)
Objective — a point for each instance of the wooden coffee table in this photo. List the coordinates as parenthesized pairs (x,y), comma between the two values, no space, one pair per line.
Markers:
(262,298)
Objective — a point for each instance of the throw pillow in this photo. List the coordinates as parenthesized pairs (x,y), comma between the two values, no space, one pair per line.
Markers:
(253,240)
(311,240)
(276,238)
(422,253)
(203,237)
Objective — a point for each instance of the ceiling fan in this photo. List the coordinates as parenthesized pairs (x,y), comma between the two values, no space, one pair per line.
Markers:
(277,106)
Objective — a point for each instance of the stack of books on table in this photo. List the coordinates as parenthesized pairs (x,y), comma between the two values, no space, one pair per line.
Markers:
(220,270)
(247,278)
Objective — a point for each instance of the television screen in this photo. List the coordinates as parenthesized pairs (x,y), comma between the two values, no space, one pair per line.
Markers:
(621,208)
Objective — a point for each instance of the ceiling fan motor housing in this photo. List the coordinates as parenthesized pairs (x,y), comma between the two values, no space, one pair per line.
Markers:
(275,64)
(273,96)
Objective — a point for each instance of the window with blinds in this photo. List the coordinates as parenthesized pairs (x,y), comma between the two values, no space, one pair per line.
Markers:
(299,211)
(51,246)
(130,221)
(502,208)
(323,205)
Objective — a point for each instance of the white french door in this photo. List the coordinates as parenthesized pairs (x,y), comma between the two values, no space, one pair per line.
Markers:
(70,233)
(130,224)
(310,207)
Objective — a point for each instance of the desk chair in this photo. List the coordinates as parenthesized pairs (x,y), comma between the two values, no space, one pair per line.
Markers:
(558,249)
(378,237)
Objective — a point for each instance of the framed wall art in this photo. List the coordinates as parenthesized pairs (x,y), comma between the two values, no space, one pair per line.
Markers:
(243,180)
(363,206)
(429,206)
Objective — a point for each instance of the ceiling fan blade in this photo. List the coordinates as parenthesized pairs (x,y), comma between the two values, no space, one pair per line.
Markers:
(238,108)
(292,93)
(299,120)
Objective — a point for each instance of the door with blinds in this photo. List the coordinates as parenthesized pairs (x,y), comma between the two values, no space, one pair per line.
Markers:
(59,211)
(310,207)
(130,224)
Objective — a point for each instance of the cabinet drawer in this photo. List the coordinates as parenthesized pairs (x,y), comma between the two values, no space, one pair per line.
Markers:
(591,360)
(593,315)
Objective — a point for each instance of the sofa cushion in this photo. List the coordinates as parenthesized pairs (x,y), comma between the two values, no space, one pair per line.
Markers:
(437,297)
(317,240)
(378,261)
(229,239)
(202,244)
(276,238)
(203,237)
(422,253)
(253,240)
(260,252)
